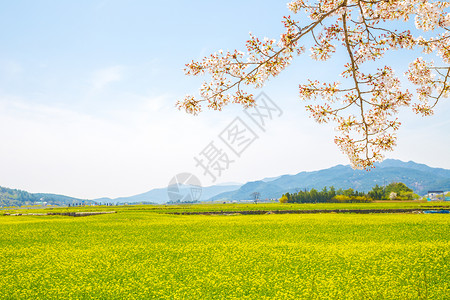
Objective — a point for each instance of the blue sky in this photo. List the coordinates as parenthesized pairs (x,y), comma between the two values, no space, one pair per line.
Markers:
(88,88)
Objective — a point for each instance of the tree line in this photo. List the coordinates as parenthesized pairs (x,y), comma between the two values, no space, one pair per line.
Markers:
(394,191)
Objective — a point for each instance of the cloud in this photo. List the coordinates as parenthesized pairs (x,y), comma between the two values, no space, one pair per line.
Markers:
(102,78)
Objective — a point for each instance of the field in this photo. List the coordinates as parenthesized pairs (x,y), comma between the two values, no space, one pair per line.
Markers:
(210,207)
(142,253)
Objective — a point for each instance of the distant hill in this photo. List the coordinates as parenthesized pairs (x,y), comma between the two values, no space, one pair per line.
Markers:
(160,195)
(14,197)
(419,177)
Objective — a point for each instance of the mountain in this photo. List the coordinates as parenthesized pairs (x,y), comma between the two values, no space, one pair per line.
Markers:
(14,197)
(267,179)
(266,190)
(160,195)
(421,178)
(412,165)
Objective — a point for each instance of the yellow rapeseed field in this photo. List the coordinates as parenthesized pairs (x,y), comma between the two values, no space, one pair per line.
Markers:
(144,255)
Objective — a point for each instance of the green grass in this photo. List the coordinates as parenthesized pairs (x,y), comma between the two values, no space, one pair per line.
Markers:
(137,254)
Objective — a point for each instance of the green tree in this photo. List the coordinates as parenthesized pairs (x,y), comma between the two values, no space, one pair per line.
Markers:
(401,190)
(349,192)
(377,193)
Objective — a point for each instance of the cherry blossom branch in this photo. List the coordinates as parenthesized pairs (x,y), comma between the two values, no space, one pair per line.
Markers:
(360,26)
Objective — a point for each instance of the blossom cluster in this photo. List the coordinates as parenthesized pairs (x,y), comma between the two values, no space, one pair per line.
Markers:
(365,104)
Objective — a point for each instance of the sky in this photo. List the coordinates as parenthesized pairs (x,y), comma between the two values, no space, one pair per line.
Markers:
(88,91)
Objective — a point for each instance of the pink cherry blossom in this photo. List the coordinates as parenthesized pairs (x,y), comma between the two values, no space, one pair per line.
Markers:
(365,104)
